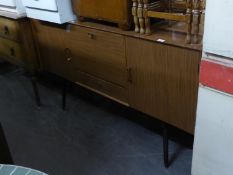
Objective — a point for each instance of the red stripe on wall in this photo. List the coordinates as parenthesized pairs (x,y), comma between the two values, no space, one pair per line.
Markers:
(216,76)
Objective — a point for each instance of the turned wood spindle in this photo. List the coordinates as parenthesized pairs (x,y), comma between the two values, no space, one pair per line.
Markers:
(189,21)
(135,17)
(140,16)
(147,19)
(196,20)
(202,16)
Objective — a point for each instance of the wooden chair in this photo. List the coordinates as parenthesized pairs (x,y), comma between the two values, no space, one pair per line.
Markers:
(189,11)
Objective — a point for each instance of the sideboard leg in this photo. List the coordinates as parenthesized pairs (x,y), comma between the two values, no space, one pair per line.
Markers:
(165,146)
(35,89)
(6,157)
(64,94)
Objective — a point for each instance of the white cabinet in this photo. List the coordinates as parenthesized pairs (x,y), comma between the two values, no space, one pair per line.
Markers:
(57,11)
(12,6)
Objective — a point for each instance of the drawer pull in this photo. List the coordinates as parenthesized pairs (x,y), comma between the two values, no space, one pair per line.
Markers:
(68,54)
(69,59)
(12,52)
(91,36)
(6,30)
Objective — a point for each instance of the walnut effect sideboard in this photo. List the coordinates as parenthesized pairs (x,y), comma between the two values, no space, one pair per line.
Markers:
(157,74)
(159,79)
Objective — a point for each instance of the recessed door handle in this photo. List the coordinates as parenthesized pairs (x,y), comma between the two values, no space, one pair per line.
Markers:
(130,77)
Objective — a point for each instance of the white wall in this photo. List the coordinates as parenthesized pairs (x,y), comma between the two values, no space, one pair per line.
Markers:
(213,147)
(218,37)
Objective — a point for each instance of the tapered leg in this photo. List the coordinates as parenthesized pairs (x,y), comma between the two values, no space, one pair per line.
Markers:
(165,146)
(5,155)
(36,91)
(64,94)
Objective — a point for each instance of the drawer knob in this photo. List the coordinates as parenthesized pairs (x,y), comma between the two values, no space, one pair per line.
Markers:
(91,36)
(68,54)
(6,30)
(69,59)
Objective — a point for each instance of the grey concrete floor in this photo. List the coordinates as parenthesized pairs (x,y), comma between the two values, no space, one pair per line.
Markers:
(94,136)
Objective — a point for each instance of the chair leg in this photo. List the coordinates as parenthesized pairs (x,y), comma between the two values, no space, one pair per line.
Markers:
(36,91)
(64,95)
(5,155)
(165,146)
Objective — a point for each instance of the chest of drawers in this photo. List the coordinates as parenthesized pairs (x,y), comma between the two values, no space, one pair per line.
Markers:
(16,44)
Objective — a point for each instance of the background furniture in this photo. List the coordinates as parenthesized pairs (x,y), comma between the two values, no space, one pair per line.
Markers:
(12,6)
(57,11)
(17,47)
(117,11)
(190,12)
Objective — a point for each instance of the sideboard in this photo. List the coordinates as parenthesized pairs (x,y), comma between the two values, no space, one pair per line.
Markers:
(156,76)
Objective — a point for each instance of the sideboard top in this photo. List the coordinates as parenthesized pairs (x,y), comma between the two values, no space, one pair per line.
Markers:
(159,35)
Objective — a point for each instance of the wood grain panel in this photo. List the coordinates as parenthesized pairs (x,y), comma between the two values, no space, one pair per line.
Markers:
(164,82)
(98,53)
(9,28)
(109,90)
(11,50)
(114,11)
(50,45)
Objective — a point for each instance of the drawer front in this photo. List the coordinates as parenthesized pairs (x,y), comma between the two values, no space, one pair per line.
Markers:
(41,4)
(11,49)
(98,53)
(102,87)
(9,29)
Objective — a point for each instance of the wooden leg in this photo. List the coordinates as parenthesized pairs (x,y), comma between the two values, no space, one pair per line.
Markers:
(5,154)
(124,26)
(165,146)
(81,19)
(135,17)
(147,19)
(189,21)
(196,20)
(36,91)
(140,16)
(64,95)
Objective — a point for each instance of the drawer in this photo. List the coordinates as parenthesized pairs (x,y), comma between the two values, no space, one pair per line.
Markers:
(101,87)
(98,53)
(9,29)
(11,49)
(41,4)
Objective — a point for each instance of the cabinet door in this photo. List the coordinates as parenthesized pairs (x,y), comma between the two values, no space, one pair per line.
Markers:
(164,82)
(54,55)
